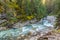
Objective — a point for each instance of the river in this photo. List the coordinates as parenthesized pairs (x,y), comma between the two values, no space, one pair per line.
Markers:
(40,26)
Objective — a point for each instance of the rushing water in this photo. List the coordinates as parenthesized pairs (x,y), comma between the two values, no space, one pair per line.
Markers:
(26,29)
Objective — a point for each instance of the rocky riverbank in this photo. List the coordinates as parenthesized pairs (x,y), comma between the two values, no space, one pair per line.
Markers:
(29,31)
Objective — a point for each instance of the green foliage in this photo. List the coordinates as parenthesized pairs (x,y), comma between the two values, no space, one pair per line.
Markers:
(18,10)
(56,12)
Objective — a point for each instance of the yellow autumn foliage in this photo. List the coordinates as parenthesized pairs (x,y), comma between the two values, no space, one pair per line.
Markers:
(12,5)
(57,31)
(30,17)
(1,9)
(15,14)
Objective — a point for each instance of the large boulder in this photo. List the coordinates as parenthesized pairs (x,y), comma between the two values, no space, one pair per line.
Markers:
(52,19)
